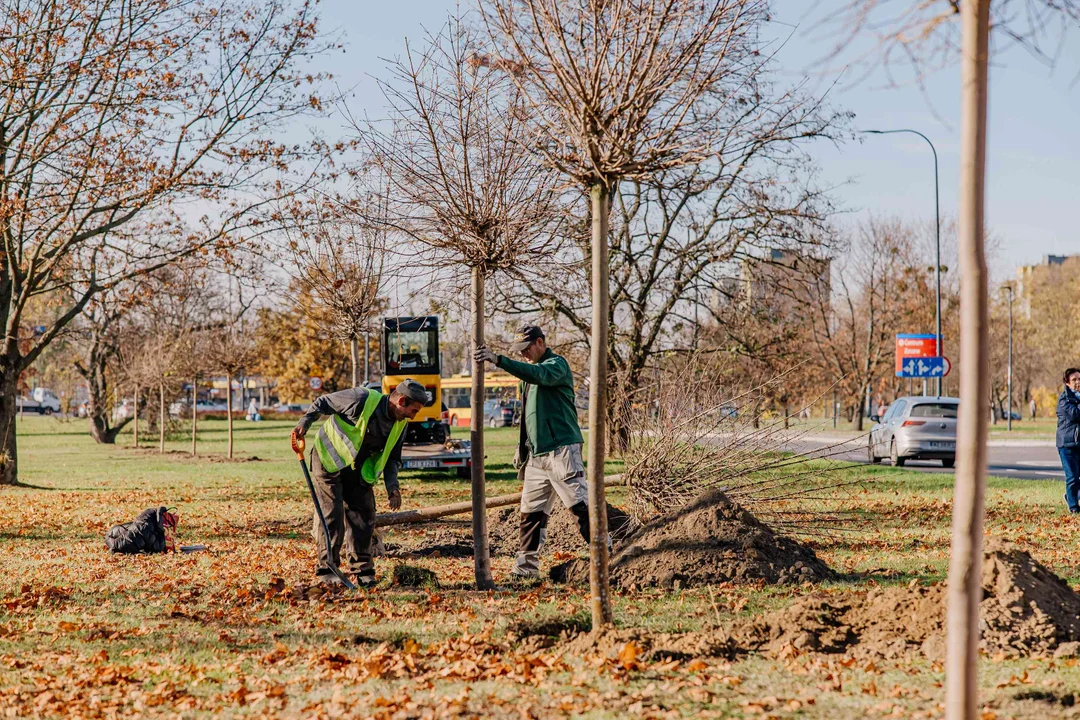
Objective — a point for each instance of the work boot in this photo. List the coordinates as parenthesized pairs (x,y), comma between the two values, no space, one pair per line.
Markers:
(581,512)
(366,580)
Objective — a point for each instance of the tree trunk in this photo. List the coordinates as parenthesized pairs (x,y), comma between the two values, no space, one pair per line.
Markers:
(161,418)
(9,404)
(228,411)
(367,357)
(598,532)
(354,356)
(858,414)
(965,561)
(620,414)
(481,552)
(97,407)
(135,418)
(194,415)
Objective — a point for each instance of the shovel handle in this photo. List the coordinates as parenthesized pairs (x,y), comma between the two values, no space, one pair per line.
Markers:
(297,445)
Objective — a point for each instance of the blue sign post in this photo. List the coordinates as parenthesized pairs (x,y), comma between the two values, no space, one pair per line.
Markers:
(924,367)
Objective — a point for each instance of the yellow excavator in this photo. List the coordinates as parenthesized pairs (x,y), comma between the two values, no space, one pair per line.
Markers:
(411,350)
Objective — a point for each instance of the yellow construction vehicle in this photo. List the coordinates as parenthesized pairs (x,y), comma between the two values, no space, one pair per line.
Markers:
(411,350)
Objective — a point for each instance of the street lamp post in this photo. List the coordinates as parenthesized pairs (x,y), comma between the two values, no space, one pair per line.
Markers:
(937,220)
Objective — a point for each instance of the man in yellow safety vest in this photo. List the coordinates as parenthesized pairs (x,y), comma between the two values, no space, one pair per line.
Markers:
(360,440)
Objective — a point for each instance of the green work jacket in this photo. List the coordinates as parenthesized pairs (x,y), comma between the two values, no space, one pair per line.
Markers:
(550,416)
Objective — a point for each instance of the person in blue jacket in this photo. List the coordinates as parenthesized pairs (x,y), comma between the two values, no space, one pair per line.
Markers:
(1068,436)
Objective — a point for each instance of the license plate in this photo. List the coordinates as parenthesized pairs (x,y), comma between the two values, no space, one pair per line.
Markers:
(944,445)
(420,464)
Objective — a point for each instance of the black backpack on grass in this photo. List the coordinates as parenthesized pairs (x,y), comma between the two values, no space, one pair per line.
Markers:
(144,534)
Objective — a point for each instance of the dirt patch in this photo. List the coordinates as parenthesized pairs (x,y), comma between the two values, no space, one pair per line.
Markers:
(563,535)
(1026,611)
(411,576)
(710,541)
(534,634)
(432,540)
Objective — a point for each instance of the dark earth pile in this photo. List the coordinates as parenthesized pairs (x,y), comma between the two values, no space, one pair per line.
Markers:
(710,541)
(1026,611)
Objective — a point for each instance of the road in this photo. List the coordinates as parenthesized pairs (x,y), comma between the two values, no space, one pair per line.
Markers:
(1013,459)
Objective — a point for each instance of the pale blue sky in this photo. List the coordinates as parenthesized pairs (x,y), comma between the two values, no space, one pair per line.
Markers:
(1033,159)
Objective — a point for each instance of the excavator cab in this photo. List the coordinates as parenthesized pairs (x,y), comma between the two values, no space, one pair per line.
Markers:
(411,350)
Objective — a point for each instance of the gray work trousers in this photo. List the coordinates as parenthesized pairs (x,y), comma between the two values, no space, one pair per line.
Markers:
(557,474)
(348,504)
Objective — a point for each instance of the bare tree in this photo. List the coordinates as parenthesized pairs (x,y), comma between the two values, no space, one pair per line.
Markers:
(676,236)
(337,255)
(854,311)
(965,557)
(925,37)
(233,350)
(622,90)
(112,114)
(156,364)
(99,336)
(466,186)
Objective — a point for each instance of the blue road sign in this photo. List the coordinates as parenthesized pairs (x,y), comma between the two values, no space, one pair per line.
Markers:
(927,367)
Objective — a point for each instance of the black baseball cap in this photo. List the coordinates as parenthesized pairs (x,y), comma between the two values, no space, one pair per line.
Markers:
(526,336)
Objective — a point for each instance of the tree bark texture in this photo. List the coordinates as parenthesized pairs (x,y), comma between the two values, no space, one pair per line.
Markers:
(9,454)
(98,410)
(161,418)
(354,356)
(194,415)
(481,552)
(135,417)
(965,562)
(228,413)
(598,550)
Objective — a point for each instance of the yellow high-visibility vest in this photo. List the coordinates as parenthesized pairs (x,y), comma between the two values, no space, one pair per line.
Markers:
(338,442)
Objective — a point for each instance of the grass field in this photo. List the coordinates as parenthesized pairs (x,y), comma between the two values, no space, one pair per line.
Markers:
(231,633)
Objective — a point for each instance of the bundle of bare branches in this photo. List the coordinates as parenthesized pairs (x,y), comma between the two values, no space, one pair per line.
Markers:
(695,433)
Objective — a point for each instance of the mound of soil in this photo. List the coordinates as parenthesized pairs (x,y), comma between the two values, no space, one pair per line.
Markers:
(562,530)
(1026,610)
(710,541)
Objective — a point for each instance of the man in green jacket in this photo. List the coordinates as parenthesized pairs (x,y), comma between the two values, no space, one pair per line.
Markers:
(549,446)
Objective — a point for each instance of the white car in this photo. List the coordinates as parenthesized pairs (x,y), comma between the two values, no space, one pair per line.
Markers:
(42,401)
(916,428)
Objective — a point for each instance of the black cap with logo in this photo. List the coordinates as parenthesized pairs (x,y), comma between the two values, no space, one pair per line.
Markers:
(526,336)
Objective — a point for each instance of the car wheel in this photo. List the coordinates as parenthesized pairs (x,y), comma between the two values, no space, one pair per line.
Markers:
(48,411)
(897,461)
(948,462)
(464,472)
(874,459)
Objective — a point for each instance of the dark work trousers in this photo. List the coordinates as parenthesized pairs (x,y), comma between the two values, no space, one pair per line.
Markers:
(348,504)
(1070,463)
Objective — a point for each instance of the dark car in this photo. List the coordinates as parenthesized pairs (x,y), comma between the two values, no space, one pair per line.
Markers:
(498,413)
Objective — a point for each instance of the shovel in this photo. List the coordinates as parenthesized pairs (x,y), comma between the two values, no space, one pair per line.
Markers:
(298,448)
